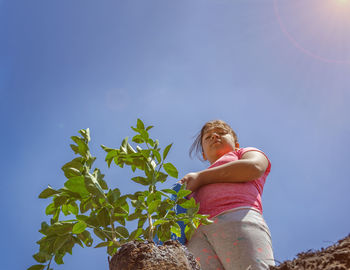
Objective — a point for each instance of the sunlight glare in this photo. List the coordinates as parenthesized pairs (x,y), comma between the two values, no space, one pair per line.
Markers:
(343,2)
(318,28)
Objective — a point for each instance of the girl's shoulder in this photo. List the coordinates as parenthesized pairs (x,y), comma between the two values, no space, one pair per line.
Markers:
(241,151)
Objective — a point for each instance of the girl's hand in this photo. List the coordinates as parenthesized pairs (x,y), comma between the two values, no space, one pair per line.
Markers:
(191,180)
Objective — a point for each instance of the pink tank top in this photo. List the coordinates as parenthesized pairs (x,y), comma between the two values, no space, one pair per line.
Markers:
(219,197)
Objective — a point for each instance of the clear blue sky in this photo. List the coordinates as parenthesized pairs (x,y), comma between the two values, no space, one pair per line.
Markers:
(278,71)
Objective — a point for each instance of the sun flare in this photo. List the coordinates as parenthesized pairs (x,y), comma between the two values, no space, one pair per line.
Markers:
(317,28)
(343,2)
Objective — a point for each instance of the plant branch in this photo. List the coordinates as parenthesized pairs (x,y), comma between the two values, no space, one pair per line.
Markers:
(48,266)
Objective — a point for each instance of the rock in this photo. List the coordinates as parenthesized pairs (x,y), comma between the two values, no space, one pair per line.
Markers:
(335,257)
(137,255)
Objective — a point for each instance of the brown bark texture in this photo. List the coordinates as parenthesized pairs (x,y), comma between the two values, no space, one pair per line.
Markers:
(137,255)
(335,257)
(174,256)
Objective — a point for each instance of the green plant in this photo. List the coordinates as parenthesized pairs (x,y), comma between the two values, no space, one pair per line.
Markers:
(103,211)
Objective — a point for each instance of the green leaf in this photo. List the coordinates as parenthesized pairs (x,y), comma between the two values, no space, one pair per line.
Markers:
(46,193)
(93,186)
(113,195)
(125,142)
(65,210)
(79,227)
(86,134)
(100,234)
(135,234)
(99,176)
(76,163)
(59,258)
(176,230)
(41,257)
(171,170)
(60,241)
(77,241)
(122,232)
(73,208)
(129,149)
(164,232)
(89,160)
(93,221)
(166,150)
(60,200)
(150,141)
(37,267)
(107,149)
(77,184)
(68,246)
(192,210)
(112,154)
(103,217)
(60,228)
(104,244)
(74,148)
(50,209)
(141,222)
(82,217)
(183,193)
(189,230)
(144,135)
(72,195)
(160,221)
(138,139)
(121,202)
(153,206)
(204,220)
(44,227)
(169,191)
(120,220)
(189,204)
(149,127)
(140,124)
(161,177)
(165,206)
(85,236)
(157,155)
(153,197)
(121,210)
(57,214)
(71,172)
(141,180)
(82,145)
(137,214)
(111,250)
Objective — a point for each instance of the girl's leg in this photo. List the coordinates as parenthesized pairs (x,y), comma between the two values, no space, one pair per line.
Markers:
(241,239)
(203,251)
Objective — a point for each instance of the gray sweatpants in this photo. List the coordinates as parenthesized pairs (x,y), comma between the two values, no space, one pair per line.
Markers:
(237,240)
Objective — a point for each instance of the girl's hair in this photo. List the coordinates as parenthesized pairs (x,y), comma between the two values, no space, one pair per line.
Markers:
(197,144)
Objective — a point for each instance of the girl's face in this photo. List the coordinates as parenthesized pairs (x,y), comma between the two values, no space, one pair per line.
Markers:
(216,142)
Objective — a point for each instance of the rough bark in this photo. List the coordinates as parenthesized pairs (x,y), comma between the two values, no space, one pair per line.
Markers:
(149,256)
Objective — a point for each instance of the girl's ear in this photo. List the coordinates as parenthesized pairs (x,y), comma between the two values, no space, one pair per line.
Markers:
(204,157)
(237,145)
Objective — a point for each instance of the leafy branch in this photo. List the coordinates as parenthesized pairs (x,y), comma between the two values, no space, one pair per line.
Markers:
(103,211)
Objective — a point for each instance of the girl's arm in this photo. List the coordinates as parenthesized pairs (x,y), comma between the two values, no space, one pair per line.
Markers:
(251,166)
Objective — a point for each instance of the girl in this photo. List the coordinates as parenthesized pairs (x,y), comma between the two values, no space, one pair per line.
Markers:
(229,191)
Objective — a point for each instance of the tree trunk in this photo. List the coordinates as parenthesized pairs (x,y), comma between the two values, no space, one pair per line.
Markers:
(137,255)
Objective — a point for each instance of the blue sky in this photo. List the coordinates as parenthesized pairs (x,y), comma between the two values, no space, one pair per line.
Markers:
(277,71)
